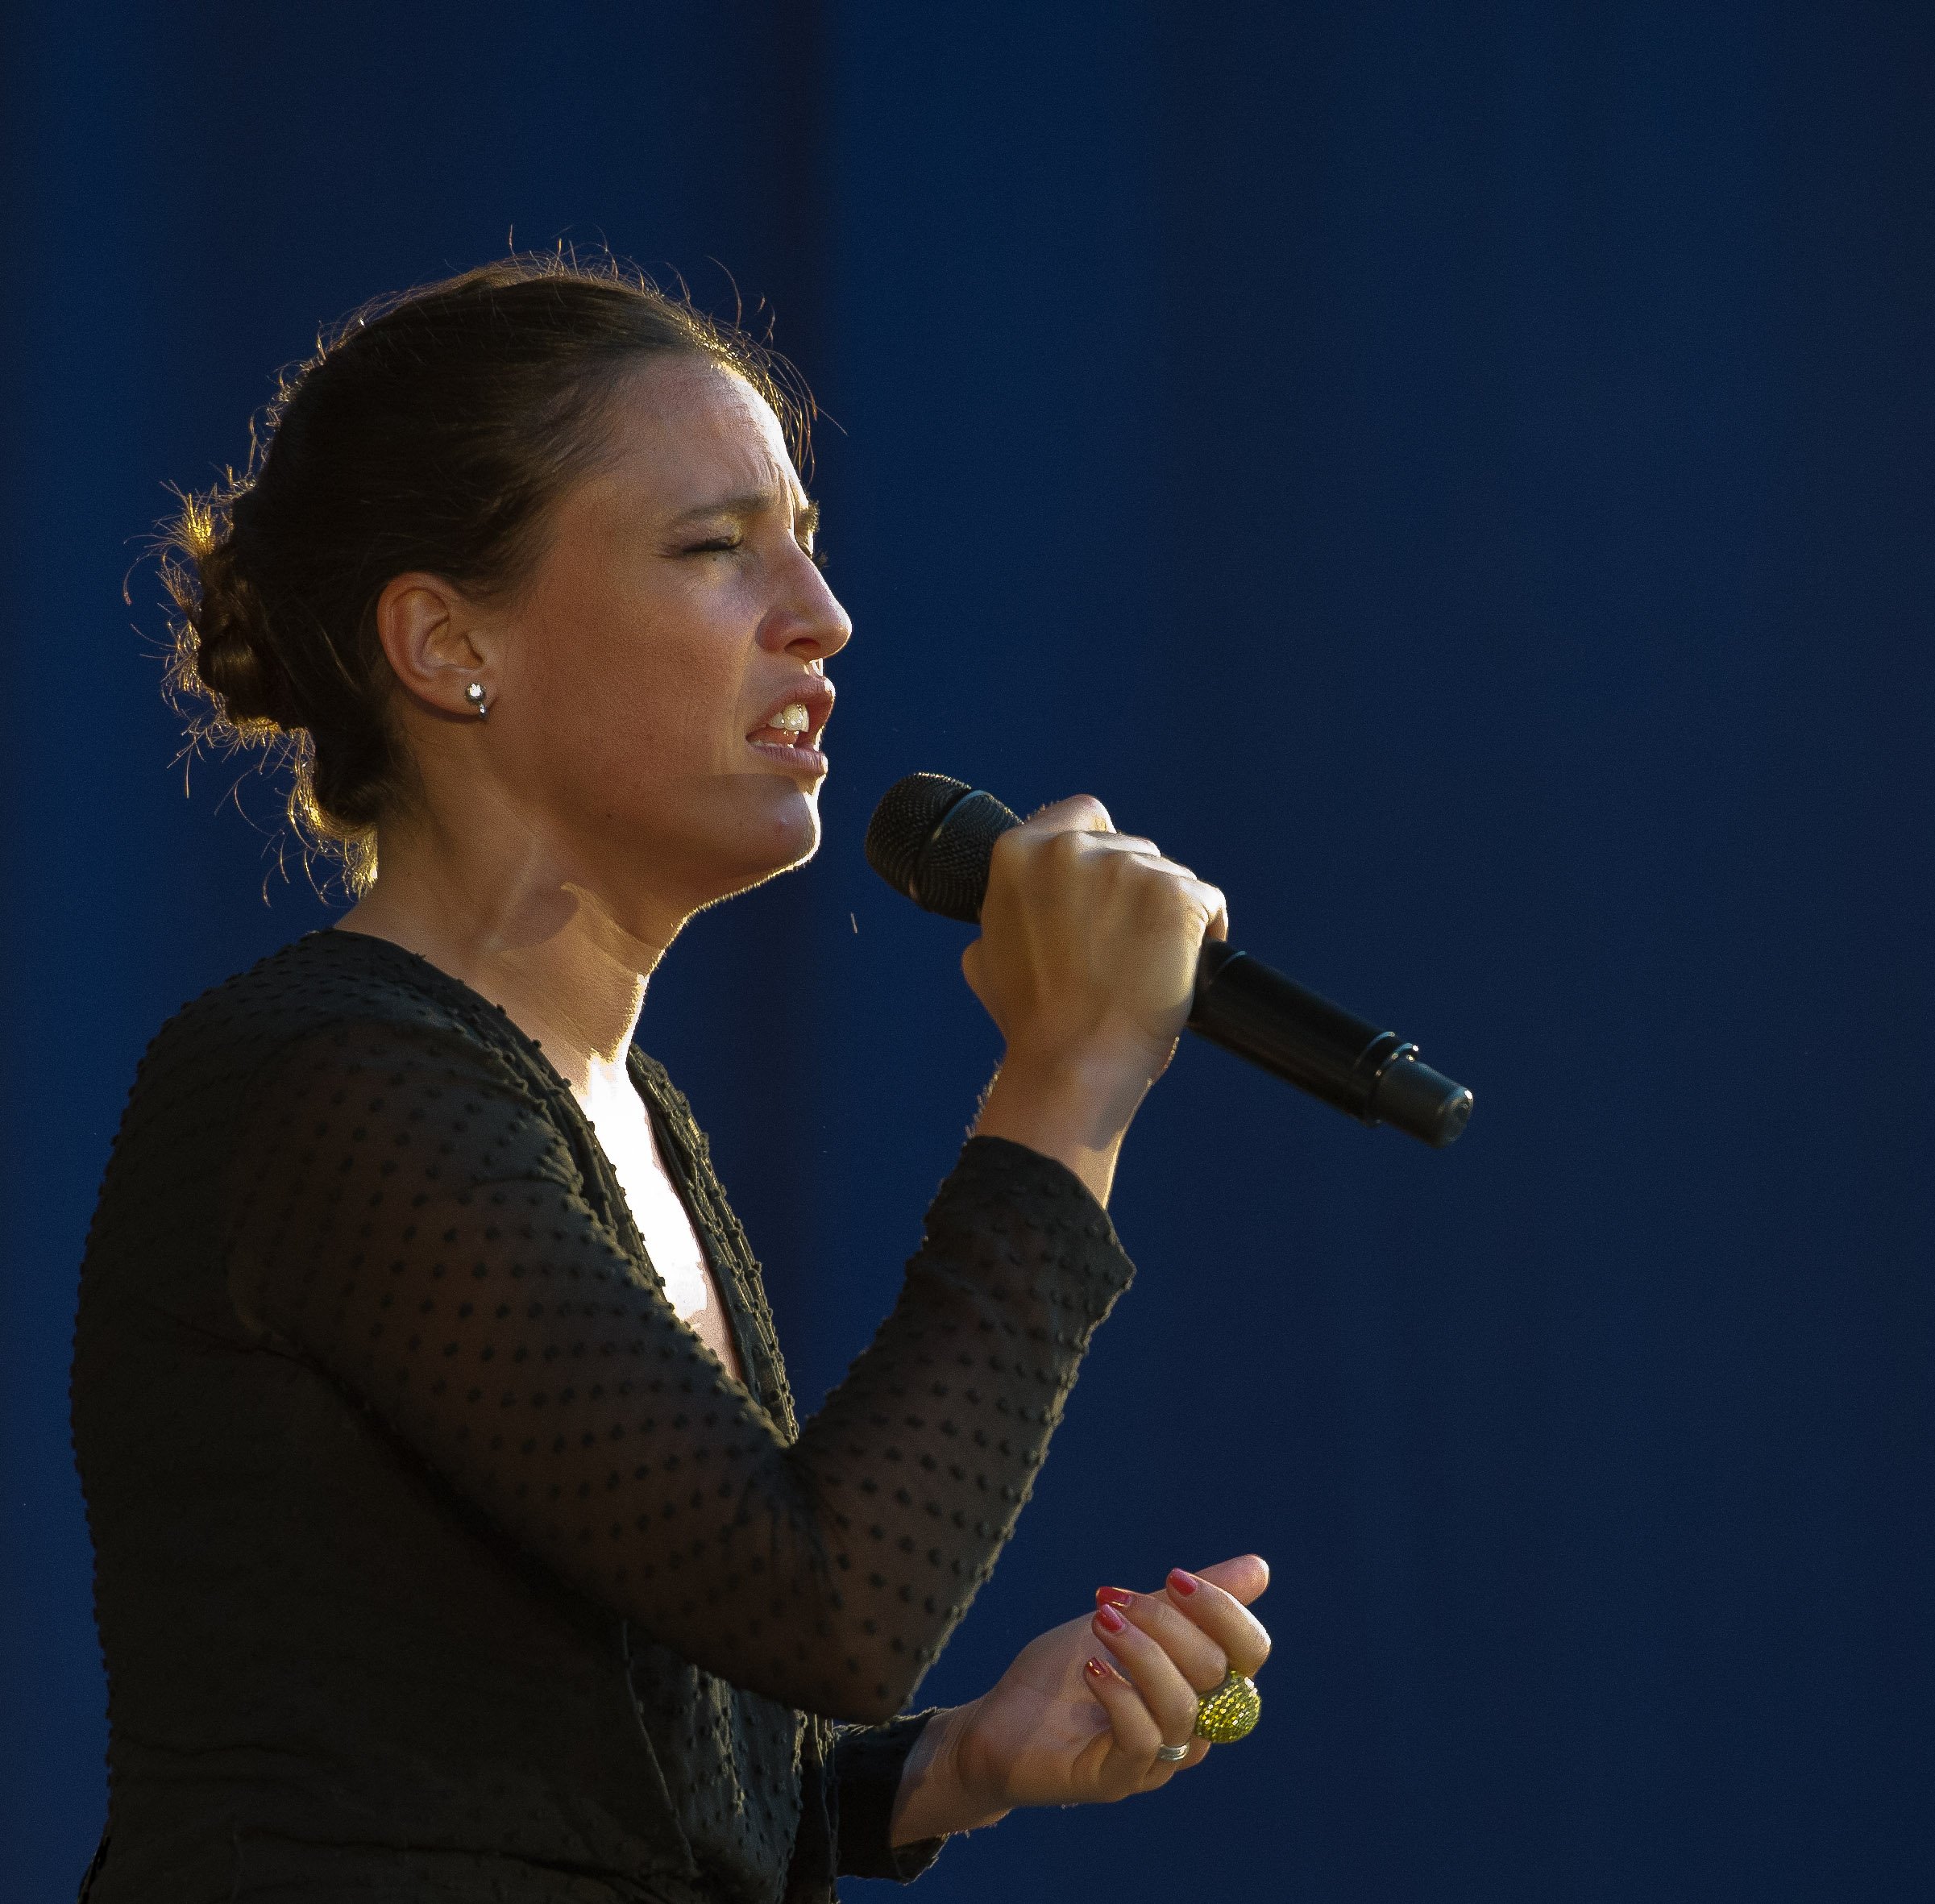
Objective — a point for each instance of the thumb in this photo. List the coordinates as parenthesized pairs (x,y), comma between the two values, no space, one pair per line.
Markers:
(1080,813)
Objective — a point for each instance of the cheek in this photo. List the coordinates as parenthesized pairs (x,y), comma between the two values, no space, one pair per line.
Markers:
(629,693)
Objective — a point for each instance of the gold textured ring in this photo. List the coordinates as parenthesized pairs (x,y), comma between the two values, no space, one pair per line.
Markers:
(1230,1711)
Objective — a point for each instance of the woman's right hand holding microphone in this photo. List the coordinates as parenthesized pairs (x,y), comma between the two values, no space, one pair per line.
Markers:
(1086,962)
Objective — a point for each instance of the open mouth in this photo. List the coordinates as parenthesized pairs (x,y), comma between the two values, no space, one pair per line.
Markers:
(796,724)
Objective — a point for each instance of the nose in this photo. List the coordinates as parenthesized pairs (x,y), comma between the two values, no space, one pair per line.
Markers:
(808,620)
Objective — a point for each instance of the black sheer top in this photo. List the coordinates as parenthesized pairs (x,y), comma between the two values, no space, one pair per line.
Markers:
(436,1558)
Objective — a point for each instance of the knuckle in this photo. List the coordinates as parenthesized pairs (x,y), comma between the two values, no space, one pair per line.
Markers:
(1162,897)
(1214,1670)
(1013,852)
(1177,1718)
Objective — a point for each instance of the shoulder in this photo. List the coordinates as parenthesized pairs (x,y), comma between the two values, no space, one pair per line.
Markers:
(332,1064)
(342,1060)
(347,994)
(328,977)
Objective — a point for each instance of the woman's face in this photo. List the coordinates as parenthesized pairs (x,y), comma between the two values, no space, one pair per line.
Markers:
(661,696)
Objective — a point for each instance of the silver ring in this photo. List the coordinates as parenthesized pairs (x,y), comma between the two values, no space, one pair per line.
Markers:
(1172,1755)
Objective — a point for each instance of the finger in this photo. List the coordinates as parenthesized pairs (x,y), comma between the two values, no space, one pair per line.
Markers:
(1130,1720)
(1170,1697)
(1144,852)
(1216,907)
(1126,842)
(1245,1578)
(1195,1651)
(1143,860)
(1081,812)
(1138,847)
(1133,1727)
(1079,845)
(1142,848)
(1137,858)
(1147,857)
(1235,1633)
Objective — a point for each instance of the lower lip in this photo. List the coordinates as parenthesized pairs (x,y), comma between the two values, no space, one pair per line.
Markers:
(802,758)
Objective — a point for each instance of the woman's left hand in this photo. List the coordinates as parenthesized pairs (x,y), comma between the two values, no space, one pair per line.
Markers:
(1077,1718)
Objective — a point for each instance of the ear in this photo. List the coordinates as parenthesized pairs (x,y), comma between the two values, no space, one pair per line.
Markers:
(429,631)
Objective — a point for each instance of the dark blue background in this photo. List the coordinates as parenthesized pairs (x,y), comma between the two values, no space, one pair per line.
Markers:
(1458,474)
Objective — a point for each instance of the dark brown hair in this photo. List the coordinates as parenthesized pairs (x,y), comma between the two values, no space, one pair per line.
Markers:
(433,430)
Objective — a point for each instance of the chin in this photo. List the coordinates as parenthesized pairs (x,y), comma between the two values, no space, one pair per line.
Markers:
(783,834)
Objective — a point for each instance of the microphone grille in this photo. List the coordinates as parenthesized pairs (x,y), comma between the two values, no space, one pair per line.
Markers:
(952,878)
(905,822)
(930,839)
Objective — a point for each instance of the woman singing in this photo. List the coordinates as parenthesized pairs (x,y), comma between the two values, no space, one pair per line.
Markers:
(456,1537)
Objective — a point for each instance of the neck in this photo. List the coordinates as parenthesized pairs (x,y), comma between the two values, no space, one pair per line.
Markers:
(516,928)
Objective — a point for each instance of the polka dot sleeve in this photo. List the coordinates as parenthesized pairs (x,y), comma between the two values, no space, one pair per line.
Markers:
(407,1213)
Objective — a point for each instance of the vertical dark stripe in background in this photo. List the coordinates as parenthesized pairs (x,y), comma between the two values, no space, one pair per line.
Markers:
(1459,474)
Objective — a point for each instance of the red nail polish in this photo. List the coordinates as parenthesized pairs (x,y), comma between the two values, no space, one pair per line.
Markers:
(1184,1584)
(1113,1596)
(1096,1670)
(1111,1621)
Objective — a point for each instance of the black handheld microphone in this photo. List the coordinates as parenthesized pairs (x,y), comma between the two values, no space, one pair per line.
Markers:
(931,838)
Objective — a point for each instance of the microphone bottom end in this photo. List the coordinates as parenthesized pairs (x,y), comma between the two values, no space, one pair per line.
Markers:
(1424,1103)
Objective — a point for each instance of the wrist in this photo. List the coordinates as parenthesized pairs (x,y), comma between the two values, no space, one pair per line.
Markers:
(935,1800)
(1107,1073)
(1075,1107)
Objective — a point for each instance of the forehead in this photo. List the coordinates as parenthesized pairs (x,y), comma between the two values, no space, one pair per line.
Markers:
(685,428)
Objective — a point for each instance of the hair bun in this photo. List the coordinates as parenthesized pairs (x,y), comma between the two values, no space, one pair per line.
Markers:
(235,660)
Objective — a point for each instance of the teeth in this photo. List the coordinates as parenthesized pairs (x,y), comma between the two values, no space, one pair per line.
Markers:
(792,720)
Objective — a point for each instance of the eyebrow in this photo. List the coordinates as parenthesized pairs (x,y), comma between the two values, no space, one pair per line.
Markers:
(754,502)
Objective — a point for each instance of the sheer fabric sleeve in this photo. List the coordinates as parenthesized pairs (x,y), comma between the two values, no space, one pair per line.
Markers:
(868,1764)
(406,1213)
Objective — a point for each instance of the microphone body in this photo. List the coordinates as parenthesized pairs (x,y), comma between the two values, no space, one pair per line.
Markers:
(931,839)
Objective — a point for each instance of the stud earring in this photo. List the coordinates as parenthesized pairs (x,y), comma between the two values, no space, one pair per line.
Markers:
(474,694)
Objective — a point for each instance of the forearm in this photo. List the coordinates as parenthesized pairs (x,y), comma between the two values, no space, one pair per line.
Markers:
(1075,1110)
(948,1412)
(794,1571)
